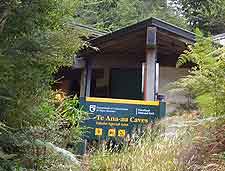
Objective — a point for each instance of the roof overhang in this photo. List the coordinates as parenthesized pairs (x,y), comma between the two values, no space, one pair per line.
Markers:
(131,42)
(161,25)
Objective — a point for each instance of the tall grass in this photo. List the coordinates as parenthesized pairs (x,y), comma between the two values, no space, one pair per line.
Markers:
(188,148)
(143,157)
(148,154)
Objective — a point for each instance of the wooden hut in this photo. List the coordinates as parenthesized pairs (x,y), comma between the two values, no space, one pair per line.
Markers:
(136,62)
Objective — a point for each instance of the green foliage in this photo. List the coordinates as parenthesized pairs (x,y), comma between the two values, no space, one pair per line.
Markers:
(72,113)
(206,103)
(200,53)
(28,146)
(35,42)
(97,13)
(34,45)
(206,80)
(208,15)
(114,14)
(27,17)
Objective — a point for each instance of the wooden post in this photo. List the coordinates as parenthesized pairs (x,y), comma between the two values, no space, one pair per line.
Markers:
(86,74)
(150,74)
(88,79)
(83,82)
(157,79)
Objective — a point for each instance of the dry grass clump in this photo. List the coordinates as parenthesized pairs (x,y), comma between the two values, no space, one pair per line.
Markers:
(142,157)
(148,154)
(207,152)
(196,146)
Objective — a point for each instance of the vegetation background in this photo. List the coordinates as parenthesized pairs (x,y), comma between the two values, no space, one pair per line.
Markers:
(37,38)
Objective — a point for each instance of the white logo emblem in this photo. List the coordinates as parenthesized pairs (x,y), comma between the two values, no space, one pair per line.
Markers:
(92,108)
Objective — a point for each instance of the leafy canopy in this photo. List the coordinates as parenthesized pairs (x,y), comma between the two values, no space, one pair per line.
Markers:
(208,15)
(114,14)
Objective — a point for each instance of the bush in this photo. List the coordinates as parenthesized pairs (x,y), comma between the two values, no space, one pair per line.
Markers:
(206,81)
(38,147)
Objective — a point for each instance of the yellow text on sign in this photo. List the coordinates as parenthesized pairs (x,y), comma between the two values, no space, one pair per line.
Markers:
(98,131)
(112,132)
(121,133)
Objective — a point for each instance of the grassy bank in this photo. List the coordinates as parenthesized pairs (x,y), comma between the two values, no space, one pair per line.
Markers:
(196,145)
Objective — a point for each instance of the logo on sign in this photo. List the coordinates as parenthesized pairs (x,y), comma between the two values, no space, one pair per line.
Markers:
(92,108)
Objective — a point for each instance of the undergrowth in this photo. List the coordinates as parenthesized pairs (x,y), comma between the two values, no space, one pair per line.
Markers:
(196,145)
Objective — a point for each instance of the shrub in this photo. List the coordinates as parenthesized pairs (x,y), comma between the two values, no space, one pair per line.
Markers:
(41,147)
(206,81)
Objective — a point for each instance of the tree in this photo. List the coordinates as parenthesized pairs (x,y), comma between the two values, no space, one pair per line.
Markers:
(208,15)
(100,14)
(114,14)
(36,40)
(34,45)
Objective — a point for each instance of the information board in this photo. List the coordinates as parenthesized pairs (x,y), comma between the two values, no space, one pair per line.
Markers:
(116,118)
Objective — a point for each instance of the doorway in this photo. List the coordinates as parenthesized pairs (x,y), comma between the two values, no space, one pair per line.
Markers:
(126,83)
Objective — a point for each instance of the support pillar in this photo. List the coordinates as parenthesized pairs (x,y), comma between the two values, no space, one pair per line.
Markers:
(86,74)
(89,77)
(83,82)
(150,71)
